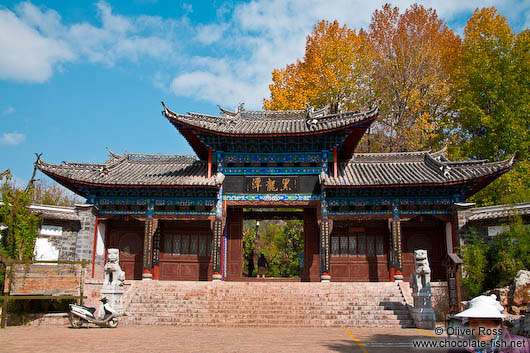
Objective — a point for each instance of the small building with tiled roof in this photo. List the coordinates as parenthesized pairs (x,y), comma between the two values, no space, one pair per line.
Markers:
(488,221)
(179,217)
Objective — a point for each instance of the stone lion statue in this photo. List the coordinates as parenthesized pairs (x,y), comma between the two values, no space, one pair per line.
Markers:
(114,276)
(421,277)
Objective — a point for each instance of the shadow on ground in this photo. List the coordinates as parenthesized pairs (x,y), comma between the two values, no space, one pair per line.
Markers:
(387,343)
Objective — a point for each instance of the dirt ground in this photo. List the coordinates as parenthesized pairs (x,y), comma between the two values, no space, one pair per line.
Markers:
(204,339)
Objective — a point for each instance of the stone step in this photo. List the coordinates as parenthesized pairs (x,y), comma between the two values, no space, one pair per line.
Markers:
(210,306)
(245,304)
(277,323)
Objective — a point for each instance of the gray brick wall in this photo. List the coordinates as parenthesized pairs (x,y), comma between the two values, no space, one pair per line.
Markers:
(85,236)
(65,243)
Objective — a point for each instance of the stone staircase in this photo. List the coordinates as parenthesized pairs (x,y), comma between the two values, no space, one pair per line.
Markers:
(268,304)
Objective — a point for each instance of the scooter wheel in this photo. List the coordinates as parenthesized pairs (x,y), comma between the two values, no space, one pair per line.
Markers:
(76,321)
(113,323)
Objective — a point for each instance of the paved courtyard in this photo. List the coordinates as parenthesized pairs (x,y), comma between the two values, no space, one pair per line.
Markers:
(200,339)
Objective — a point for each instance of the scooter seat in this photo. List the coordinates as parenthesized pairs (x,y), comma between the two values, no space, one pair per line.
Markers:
(92,310)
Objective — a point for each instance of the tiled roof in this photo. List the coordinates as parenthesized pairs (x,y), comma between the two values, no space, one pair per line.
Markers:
(410,168)
(61,213)
(499,211)
(263,122)
(136,169)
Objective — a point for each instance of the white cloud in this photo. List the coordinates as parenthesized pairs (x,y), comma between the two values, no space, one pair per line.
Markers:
(8,111)
(25,54)
(34,42)
(12,138)
(208,34)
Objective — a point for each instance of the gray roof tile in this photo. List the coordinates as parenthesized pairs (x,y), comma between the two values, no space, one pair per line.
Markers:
(137,169)
(499,211)
(410,168)
(250,122)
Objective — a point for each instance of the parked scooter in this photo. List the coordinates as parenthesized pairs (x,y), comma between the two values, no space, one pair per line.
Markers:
(80,314)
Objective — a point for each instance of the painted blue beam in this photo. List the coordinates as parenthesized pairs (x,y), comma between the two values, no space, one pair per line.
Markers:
(272,170)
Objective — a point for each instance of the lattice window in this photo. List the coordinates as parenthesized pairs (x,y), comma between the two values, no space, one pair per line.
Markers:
(357,245)
(182,244)
(202,245)
(334,246)
(194,239)
(370,245)
(185,244)
(361,245)
(379,245)
(353,245)
(344,246)
(176,245)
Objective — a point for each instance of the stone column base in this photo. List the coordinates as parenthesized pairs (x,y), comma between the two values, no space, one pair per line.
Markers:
(325,278)
(146,276)
(216,277)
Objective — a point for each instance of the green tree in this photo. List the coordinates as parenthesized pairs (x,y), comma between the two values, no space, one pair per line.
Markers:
(52,194)
(18,239)
(280,242)
(508,253)
(475,264)
(493,102)
(495,263)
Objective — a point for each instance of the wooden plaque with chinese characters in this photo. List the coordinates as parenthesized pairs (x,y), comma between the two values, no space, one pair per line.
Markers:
(271,185)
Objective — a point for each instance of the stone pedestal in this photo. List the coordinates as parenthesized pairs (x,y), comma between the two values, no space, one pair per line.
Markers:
(114,295)
(422,312)
(216,277)
(325,278)
(147,276)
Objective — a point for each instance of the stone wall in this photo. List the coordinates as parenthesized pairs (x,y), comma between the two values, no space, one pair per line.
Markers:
(64,243)
(85,236)
(440,299)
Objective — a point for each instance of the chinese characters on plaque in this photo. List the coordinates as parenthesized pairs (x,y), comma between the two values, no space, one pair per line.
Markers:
(396,243)
(217,234)
(271,185)
(148,242)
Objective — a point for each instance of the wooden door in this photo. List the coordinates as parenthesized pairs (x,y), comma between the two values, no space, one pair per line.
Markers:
(429,237)
(311,269)
(131,249)
(234,265)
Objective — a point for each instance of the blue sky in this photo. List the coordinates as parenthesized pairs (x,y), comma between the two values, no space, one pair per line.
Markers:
(78,76)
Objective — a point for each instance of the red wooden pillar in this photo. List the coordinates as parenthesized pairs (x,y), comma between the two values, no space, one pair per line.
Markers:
(335,163)
(209,163)
(150,227)
(395,253)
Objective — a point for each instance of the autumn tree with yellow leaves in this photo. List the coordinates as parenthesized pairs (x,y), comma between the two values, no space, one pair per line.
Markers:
(330,72)
(413,56)
(403,63)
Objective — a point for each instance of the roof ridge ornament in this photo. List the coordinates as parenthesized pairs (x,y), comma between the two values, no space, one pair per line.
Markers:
(311,122)
(112,153)
(240,108)
(226,112)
